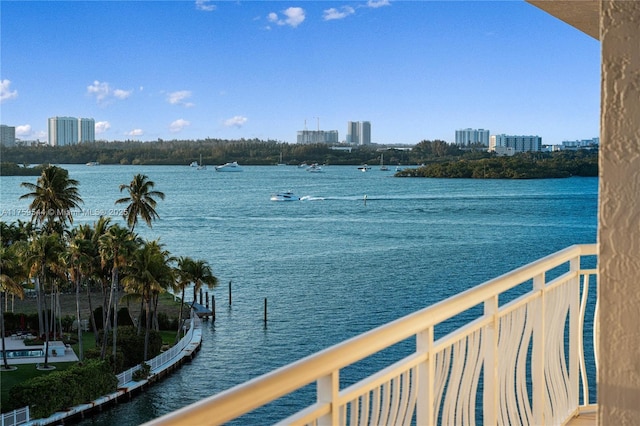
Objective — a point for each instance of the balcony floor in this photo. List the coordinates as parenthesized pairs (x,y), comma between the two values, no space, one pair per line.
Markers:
(586,418)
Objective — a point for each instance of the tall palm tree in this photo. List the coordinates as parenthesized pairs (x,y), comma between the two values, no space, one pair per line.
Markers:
(141,201)
(116,246)
(43,260)
(202,275)
(145,276)
(78,260)
(11,275)
(183,280)
(54,195)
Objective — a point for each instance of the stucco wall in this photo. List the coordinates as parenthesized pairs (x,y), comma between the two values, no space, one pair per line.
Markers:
(619,215)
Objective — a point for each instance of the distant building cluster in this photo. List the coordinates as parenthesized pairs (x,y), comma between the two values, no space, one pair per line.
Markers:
(65,131)
(503,144)
(593,143)
(358,133)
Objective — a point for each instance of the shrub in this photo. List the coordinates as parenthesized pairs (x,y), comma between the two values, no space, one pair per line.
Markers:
(63,389)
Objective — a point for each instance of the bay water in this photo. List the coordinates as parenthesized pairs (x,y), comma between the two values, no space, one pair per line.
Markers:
(360,250)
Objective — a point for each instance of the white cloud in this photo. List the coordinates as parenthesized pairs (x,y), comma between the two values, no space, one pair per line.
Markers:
(333,13)
(122,94)
(24,130)
(135,132)
(178,98)
(103,91)
(205,5)
(178,125)
(294,16)
(378,3)
(5,92)
(237,121)
(102,126)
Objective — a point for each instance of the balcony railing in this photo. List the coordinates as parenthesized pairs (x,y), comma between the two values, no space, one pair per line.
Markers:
(513,352)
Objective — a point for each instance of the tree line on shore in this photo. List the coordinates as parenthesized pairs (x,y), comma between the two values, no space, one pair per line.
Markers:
(48,255)
(439,158)
(215,151)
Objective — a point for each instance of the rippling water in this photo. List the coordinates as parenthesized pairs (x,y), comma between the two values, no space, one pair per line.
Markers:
(331,266)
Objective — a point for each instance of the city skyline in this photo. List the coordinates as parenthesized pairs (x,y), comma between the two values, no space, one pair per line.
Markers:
(231,70)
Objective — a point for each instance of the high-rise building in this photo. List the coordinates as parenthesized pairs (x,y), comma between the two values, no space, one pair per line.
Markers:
(317,136)
(70,130)
(359,132)
(509,145)
(87,130)
(467,137)
(7,135)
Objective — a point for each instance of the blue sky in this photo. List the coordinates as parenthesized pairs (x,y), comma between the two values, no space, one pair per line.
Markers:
(416,70)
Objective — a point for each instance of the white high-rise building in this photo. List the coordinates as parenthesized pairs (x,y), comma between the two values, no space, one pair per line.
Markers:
(359,132)
(509,145)
(87,130)
(70,130)
(467,137)
(7,135)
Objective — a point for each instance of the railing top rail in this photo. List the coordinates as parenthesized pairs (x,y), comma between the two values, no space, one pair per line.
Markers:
(261,390)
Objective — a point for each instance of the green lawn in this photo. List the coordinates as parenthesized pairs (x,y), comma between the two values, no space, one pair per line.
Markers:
(8,379)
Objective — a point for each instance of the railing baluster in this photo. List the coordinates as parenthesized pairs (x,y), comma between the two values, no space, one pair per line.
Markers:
(490,394)
(538,352)
(426,379)
(327,393)
(574,328)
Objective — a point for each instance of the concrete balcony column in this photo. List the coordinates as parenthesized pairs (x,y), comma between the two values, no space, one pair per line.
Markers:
(619,215)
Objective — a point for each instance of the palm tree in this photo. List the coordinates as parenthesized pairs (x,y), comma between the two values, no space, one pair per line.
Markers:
(183,279)
(11,275)
(116,246)
(146,275)
(54,195)
(78,260)
(141,201)
(201,275)
(43,260)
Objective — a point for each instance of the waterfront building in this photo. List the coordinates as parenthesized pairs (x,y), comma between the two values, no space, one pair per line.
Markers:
(468,137)
(509,145)
(317,136)
(359,132)
(7,135)
(71,130)
(593,143)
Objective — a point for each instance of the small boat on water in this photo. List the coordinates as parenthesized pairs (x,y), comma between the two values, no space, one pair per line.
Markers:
(364,168)
(285,196)
(229,167)
(382,166)
(93,163)
(201,166)
(315,168)
(193,164)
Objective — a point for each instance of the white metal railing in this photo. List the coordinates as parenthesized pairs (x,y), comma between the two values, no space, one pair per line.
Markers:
(520,360)
(164,357)
(15,417)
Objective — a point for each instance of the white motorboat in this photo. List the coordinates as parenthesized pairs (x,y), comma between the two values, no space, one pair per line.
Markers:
(364,168)
(93,163)
(285,196)
(193,164)
(314,168)
(229,167)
